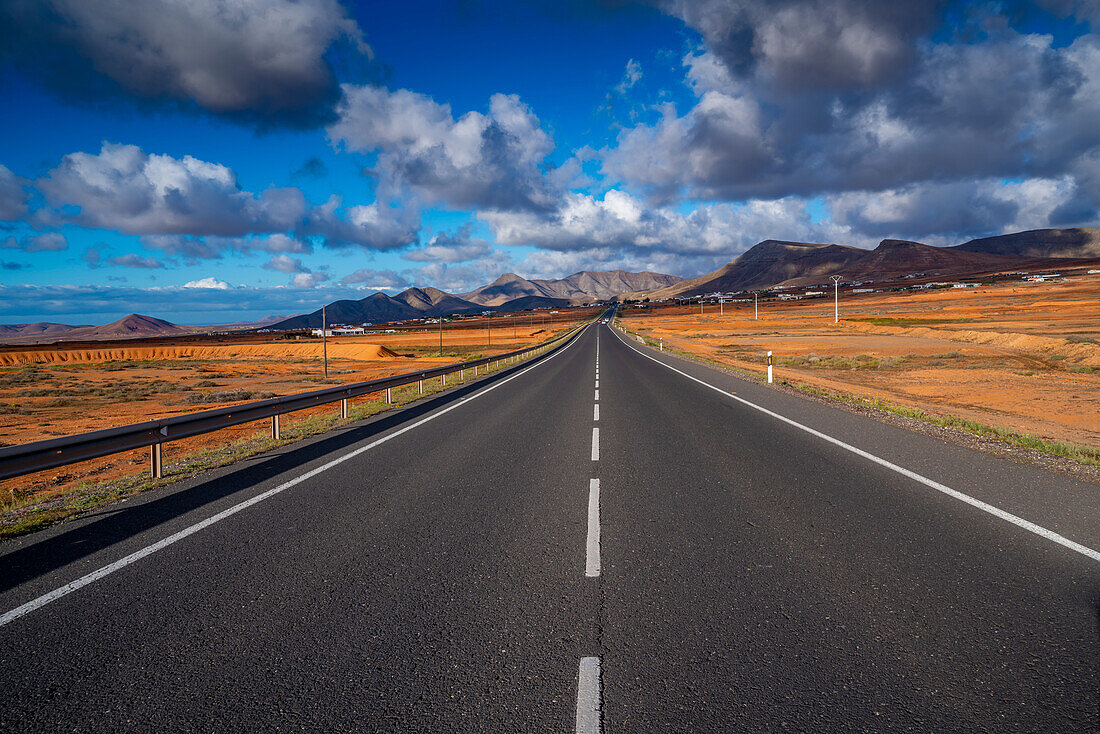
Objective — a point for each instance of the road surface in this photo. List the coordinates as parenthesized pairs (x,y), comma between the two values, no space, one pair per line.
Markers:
(606,539)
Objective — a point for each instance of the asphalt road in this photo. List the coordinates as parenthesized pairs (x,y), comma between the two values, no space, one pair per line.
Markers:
(593,541)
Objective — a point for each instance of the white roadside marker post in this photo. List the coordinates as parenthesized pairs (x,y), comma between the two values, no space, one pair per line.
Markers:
(769,366)
(662,344)
(836,298)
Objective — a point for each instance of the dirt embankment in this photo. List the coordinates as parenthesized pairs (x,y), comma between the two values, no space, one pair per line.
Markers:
(293,351)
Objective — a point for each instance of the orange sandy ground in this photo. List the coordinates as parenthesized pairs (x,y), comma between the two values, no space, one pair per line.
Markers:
(1023,356)
(58,392)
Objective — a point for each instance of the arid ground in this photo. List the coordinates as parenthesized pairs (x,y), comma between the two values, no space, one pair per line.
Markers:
(63,390)
(1021,356)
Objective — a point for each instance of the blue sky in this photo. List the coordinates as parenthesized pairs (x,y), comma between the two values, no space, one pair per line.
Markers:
(212,161)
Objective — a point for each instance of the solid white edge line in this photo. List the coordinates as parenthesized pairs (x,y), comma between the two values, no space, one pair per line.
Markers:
(972,501)
(588,696)
(595,444)
(592,545)
(596,412)
(110,568)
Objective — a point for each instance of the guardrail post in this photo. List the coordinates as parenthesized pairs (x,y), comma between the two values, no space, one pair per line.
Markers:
(275,427)
(344,408)
(156,466)
(462,375)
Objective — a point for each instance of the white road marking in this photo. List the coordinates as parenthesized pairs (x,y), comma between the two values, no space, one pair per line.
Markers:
(597,395)
(110,568)
(592,546)
(588,697)
(972,501)
(596,412)
(595,444)
(597,382)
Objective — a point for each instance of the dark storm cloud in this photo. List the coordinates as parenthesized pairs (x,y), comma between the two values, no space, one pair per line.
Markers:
(1006,105)
(13,197)
(262,61)
(808,44)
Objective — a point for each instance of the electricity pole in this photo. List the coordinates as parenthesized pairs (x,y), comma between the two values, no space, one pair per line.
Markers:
(441,336)
(324,338)
(756,304)
(489,330)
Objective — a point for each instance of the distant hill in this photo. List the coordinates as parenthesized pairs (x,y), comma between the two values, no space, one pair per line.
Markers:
(40,330)
(898,258)
(134,326)
(412,303)
(1079,243)
(582,287)
(774,262)
(766,264)
(435,302)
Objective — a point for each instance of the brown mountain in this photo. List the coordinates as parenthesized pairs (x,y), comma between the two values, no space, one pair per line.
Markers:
(898,258)
(1080,243)
(766,264)
(435,302)
(579,287)
(134,326)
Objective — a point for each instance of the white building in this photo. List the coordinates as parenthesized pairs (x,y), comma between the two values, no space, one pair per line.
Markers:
(340,331)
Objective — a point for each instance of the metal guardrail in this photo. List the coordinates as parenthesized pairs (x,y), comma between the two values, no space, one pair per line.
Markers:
(51,453)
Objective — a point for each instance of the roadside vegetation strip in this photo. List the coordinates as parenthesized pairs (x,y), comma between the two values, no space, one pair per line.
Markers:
(1090,553)
(27,512)
(1081,453)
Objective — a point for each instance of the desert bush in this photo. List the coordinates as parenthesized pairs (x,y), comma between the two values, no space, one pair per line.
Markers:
(225,396)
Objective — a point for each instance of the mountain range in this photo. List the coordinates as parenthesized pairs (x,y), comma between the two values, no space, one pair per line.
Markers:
(509,292)
(579,287)
(779,263)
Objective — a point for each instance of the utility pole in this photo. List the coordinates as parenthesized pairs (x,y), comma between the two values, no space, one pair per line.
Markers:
(756,304)
(836,298)
(324,337)
(722,307)
(441,336)
(489,330)
(513,327)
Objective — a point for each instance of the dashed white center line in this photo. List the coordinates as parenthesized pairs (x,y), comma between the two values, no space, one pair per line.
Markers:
(597,382)
(597,395)
(596,412)
(592,547)
(595,444)
(588,697)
